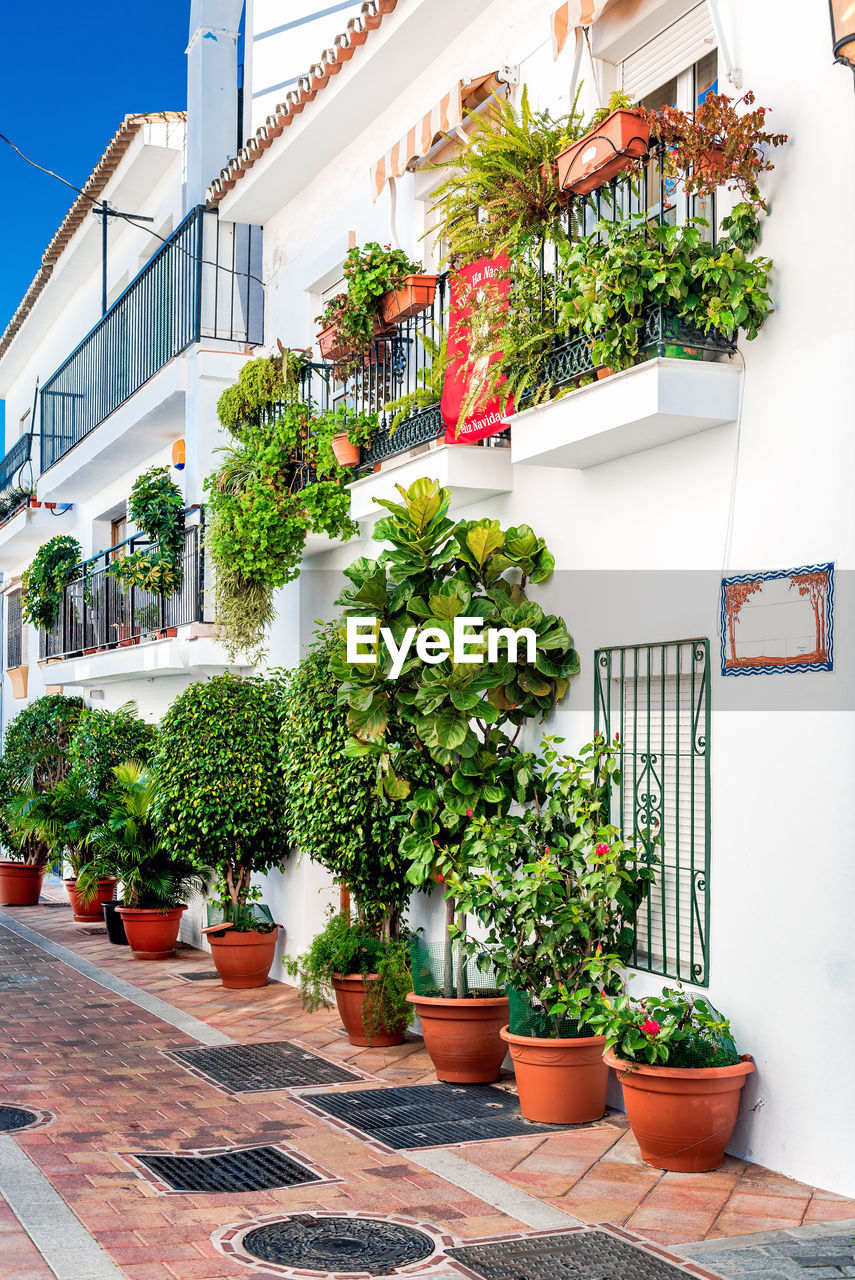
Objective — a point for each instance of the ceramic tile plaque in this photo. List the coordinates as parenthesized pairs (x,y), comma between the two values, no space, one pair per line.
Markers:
(777,622)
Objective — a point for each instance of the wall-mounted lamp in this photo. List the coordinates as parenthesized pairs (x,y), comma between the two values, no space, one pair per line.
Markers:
(843,31)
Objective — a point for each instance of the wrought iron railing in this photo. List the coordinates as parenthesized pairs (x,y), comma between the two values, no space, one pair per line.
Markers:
(204,283)
(14,631)
(14,462)
(99,612)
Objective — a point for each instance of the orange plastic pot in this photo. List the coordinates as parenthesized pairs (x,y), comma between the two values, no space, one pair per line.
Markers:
(682,1117)
(463,1037)
(415,295)
(603,153)
(20,885)
(152,934)
(86,912)
(346,454)
(242,960)
(559,1081)
(350,994)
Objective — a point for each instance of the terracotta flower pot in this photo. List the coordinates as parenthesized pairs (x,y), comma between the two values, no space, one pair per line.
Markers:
(346,454)
(415,295)
(603,153)
(242,960)
(559,1081)
(463,1037)
(604,371)
(86,912)
(330,349)
(682,1117)
(152,933)
(350,997)
(20,885)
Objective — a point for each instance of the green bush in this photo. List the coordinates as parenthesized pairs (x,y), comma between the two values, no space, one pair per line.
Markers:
(47,577)
(221,794)
(333,811)
(36,755)
(104,739)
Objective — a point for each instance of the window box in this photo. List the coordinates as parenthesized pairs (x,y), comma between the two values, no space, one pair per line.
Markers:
(603,153)
(415,295)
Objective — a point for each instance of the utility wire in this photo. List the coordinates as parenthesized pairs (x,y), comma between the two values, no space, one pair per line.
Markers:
(130,217)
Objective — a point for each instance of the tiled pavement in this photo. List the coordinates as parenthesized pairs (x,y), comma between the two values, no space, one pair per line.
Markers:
(97,1062)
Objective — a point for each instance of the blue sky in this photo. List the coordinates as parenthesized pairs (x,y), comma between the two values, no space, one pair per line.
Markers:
(69,75)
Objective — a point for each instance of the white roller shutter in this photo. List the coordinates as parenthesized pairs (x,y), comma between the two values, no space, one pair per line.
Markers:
(673,50)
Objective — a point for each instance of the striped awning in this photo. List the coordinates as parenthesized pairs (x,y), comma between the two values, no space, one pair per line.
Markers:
(572,16)
(443,118)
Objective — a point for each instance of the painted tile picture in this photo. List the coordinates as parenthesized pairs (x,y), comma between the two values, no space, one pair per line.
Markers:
(779,621)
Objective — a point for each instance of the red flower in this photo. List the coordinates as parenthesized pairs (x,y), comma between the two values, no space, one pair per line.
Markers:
(440,877)
(601,850)
(546,848)
(651,1027)
(469,813)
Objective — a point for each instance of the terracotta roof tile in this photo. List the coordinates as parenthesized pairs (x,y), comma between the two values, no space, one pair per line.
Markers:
(309,86)
(94,185)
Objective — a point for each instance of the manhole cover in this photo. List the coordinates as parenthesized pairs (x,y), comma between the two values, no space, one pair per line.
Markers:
(430,1115)
(245,1068)
(338,1244)
(42,903)
(95,933)
(258,1169)
(16,1118)
(199,975)
(584,1255)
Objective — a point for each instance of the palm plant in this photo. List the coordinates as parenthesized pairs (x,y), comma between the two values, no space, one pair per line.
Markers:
(129,846)
(60,821)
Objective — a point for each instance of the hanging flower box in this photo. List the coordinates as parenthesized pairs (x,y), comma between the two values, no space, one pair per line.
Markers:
(331,350)
(603,153)
(415,295)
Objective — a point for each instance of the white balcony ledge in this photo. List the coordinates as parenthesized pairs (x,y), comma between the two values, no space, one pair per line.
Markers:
(25,531)
(470,472)
(195,651)
(650,405)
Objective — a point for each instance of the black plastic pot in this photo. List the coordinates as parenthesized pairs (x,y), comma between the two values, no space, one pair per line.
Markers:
(115,924)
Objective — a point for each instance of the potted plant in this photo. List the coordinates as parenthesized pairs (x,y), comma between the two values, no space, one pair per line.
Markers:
(339,436)
(351,319)
(43,583)
(681,1073)
(335,815)
(617,138)
(716,145)
(556,892)
(35,755)
(414,295)
(155,879)
(220,803)
(441,734)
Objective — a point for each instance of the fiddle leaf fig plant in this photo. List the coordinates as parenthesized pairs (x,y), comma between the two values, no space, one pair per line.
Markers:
(444,731)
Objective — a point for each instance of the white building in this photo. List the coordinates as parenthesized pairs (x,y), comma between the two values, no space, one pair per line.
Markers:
(647,486)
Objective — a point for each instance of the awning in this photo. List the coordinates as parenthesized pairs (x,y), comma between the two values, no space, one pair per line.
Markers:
(572,16)
(442,119)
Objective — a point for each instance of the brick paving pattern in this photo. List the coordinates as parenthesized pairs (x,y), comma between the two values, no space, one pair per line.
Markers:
(100,1065)
(826,1257)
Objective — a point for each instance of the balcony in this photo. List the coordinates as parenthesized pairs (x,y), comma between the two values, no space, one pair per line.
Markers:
(203,285)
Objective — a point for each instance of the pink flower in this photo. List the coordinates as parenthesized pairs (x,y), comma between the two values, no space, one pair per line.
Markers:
(546,848)
(469,813)
(602,850)
(440,877)
(651,1027)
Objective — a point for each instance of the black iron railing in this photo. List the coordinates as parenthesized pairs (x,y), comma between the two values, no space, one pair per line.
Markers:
(204,283)
(14,462)
(14,631)
(99,612)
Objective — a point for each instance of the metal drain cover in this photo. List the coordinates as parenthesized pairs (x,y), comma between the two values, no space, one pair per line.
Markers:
(277,1064)
(66,905)
(199,975)
(431,1115)
(16,1118)
(584,1255)
(95,933)
(338,1245)
(257,1169)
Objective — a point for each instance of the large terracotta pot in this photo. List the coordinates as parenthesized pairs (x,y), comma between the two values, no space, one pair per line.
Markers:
(86,912)
(603,153)
(346,454)
(463,1036)
(350,997)
(152,933)
(559,1081)
(243,960)
(682,1117)
(20,885)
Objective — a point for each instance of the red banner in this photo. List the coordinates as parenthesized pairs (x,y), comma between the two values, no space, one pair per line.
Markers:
(471,289)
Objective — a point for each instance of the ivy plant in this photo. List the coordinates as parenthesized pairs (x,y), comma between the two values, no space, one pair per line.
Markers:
(220,797)
(443,736)
(54,565)
(556,890)
(156,505)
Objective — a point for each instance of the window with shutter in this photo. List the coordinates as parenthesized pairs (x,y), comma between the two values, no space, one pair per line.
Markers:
(655,698)
(668,54)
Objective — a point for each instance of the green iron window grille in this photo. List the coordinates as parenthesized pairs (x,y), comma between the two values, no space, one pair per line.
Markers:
(656,698)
